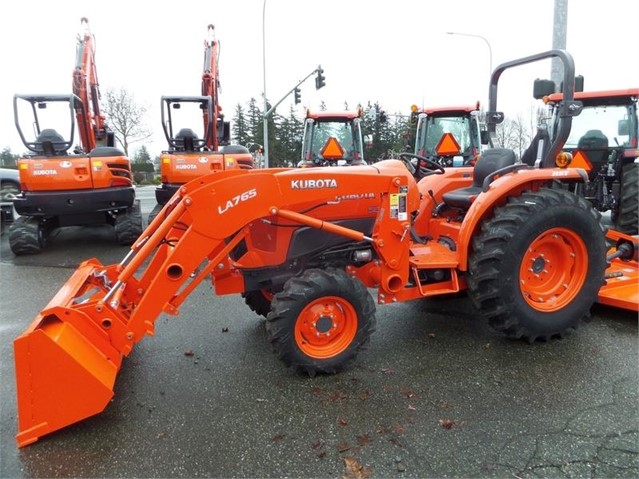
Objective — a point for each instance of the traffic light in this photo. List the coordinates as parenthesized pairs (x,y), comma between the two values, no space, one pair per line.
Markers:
(320,80)
(298,96)
(414,113)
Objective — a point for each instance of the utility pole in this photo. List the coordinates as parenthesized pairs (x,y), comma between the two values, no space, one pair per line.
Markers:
(559,33)
(265,118)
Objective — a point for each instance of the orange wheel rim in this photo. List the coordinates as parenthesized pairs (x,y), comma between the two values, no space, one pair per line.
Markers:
(268,294)
(326,327)
(553,269)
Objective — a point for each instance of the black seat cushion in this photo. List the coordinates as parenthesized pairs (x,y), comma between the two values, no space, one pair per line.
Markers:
(489,162)
(595,144)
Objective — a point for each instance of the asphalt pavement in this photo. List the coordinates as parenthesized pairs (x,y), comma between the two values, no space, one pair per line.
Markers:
(436,394)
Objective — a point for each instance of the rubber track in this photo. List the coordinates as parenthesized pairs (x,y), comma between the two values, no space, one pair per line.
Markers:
(128,227)
(24,237)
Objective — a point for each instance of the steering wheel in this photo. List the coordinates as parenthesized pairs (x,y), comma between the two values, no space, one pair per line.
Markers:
(425,166)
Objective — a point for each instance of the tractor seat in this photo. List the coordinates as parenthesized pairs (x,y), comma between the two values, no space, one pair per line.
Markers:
(489,162)
(595,145)
(538,149)
(186,139)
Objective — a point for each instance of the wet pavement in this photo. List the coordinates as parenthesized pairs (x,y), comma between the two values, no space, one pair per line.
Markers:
(436,394)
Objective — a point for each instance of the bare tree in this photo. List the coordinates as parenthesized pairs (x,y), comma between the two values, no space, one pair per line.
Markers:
(125,117)
(514,134)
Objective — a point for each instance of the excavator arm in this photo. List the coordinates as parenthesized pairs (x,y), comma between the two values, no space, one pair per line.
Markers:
(67,359)
(210,86)
(91,122)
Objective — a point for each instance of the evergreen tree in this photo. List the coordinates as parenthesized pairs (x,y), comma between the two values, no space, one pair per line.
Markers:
(290,131)
(254,125)
(142,156)
(8,159)
(241,133)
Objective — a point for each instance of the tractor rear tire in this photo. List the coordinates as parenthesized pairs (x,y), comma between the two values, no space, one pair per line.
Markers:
(626,218)
(259,301)
(27,235)
(320,321)
(537,265)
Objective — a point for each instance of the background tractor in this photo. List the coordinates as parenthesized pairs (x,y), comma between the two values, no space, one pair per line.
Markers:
(450,135)
(332,138)
(603,141)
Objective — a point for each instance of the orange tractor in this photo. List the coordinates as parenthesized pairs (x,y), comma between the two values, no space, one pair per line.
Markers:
(190,155)
(451,135)
(92,184)
(332,138)
(604,142)
(531,255)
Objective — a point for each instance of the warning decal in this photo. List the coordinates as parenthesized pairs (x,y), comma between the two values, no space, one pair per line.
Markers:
(398,206)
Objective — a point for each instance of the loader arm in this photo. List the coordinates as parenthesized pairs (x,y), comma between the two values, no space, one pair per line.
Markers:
(74,347)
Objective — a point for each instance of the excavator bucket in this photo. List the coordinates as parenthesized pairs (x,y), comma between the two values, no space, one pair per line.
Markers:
(65,367)
(622,276)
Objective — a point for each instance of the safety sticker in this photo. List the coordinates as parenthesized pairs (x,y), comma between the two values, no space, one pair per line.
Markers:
(398,206)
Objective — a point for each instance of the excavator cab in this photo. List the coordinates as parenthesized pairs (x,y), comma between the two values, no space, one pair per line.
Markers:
(194,151)
(40,121)
(180,115)
(332,139)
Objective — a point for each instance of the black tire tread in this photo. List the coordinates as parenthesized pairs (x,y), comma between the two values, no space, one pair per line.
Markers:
(300,290)
(24,236)
(257,302)
(627,218)
(128,226)
(489,249)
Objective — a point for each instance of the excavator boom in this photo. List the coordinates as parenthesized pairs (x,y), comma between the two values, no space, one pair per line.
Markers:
(210,86)
(91,121)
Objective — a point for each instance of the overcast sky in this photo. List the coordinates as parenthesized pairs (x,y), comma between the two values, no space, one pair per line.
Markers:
(396,52)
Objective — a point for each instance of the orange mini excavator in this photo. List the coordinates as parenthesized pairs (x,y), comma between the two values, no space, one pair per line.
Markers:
(92,184)
(191,155)
(531,254)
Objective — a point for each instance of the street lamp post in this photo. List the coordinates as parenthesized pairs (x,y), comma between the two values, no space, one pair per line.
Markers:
(490,50)
(264,71)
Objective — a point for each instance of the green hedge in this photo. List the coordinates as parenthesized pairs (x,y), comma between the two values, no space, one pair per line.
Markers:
(142,167)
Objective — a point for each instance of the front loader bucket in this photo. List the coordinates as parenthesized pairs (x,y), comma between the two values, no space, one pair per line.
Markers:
(65,368)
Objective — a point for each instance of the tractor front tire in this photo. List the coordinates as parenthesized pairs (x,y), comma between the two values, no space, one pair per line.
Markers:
(320,321)
(537,265)
(259,301)
(626,218)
